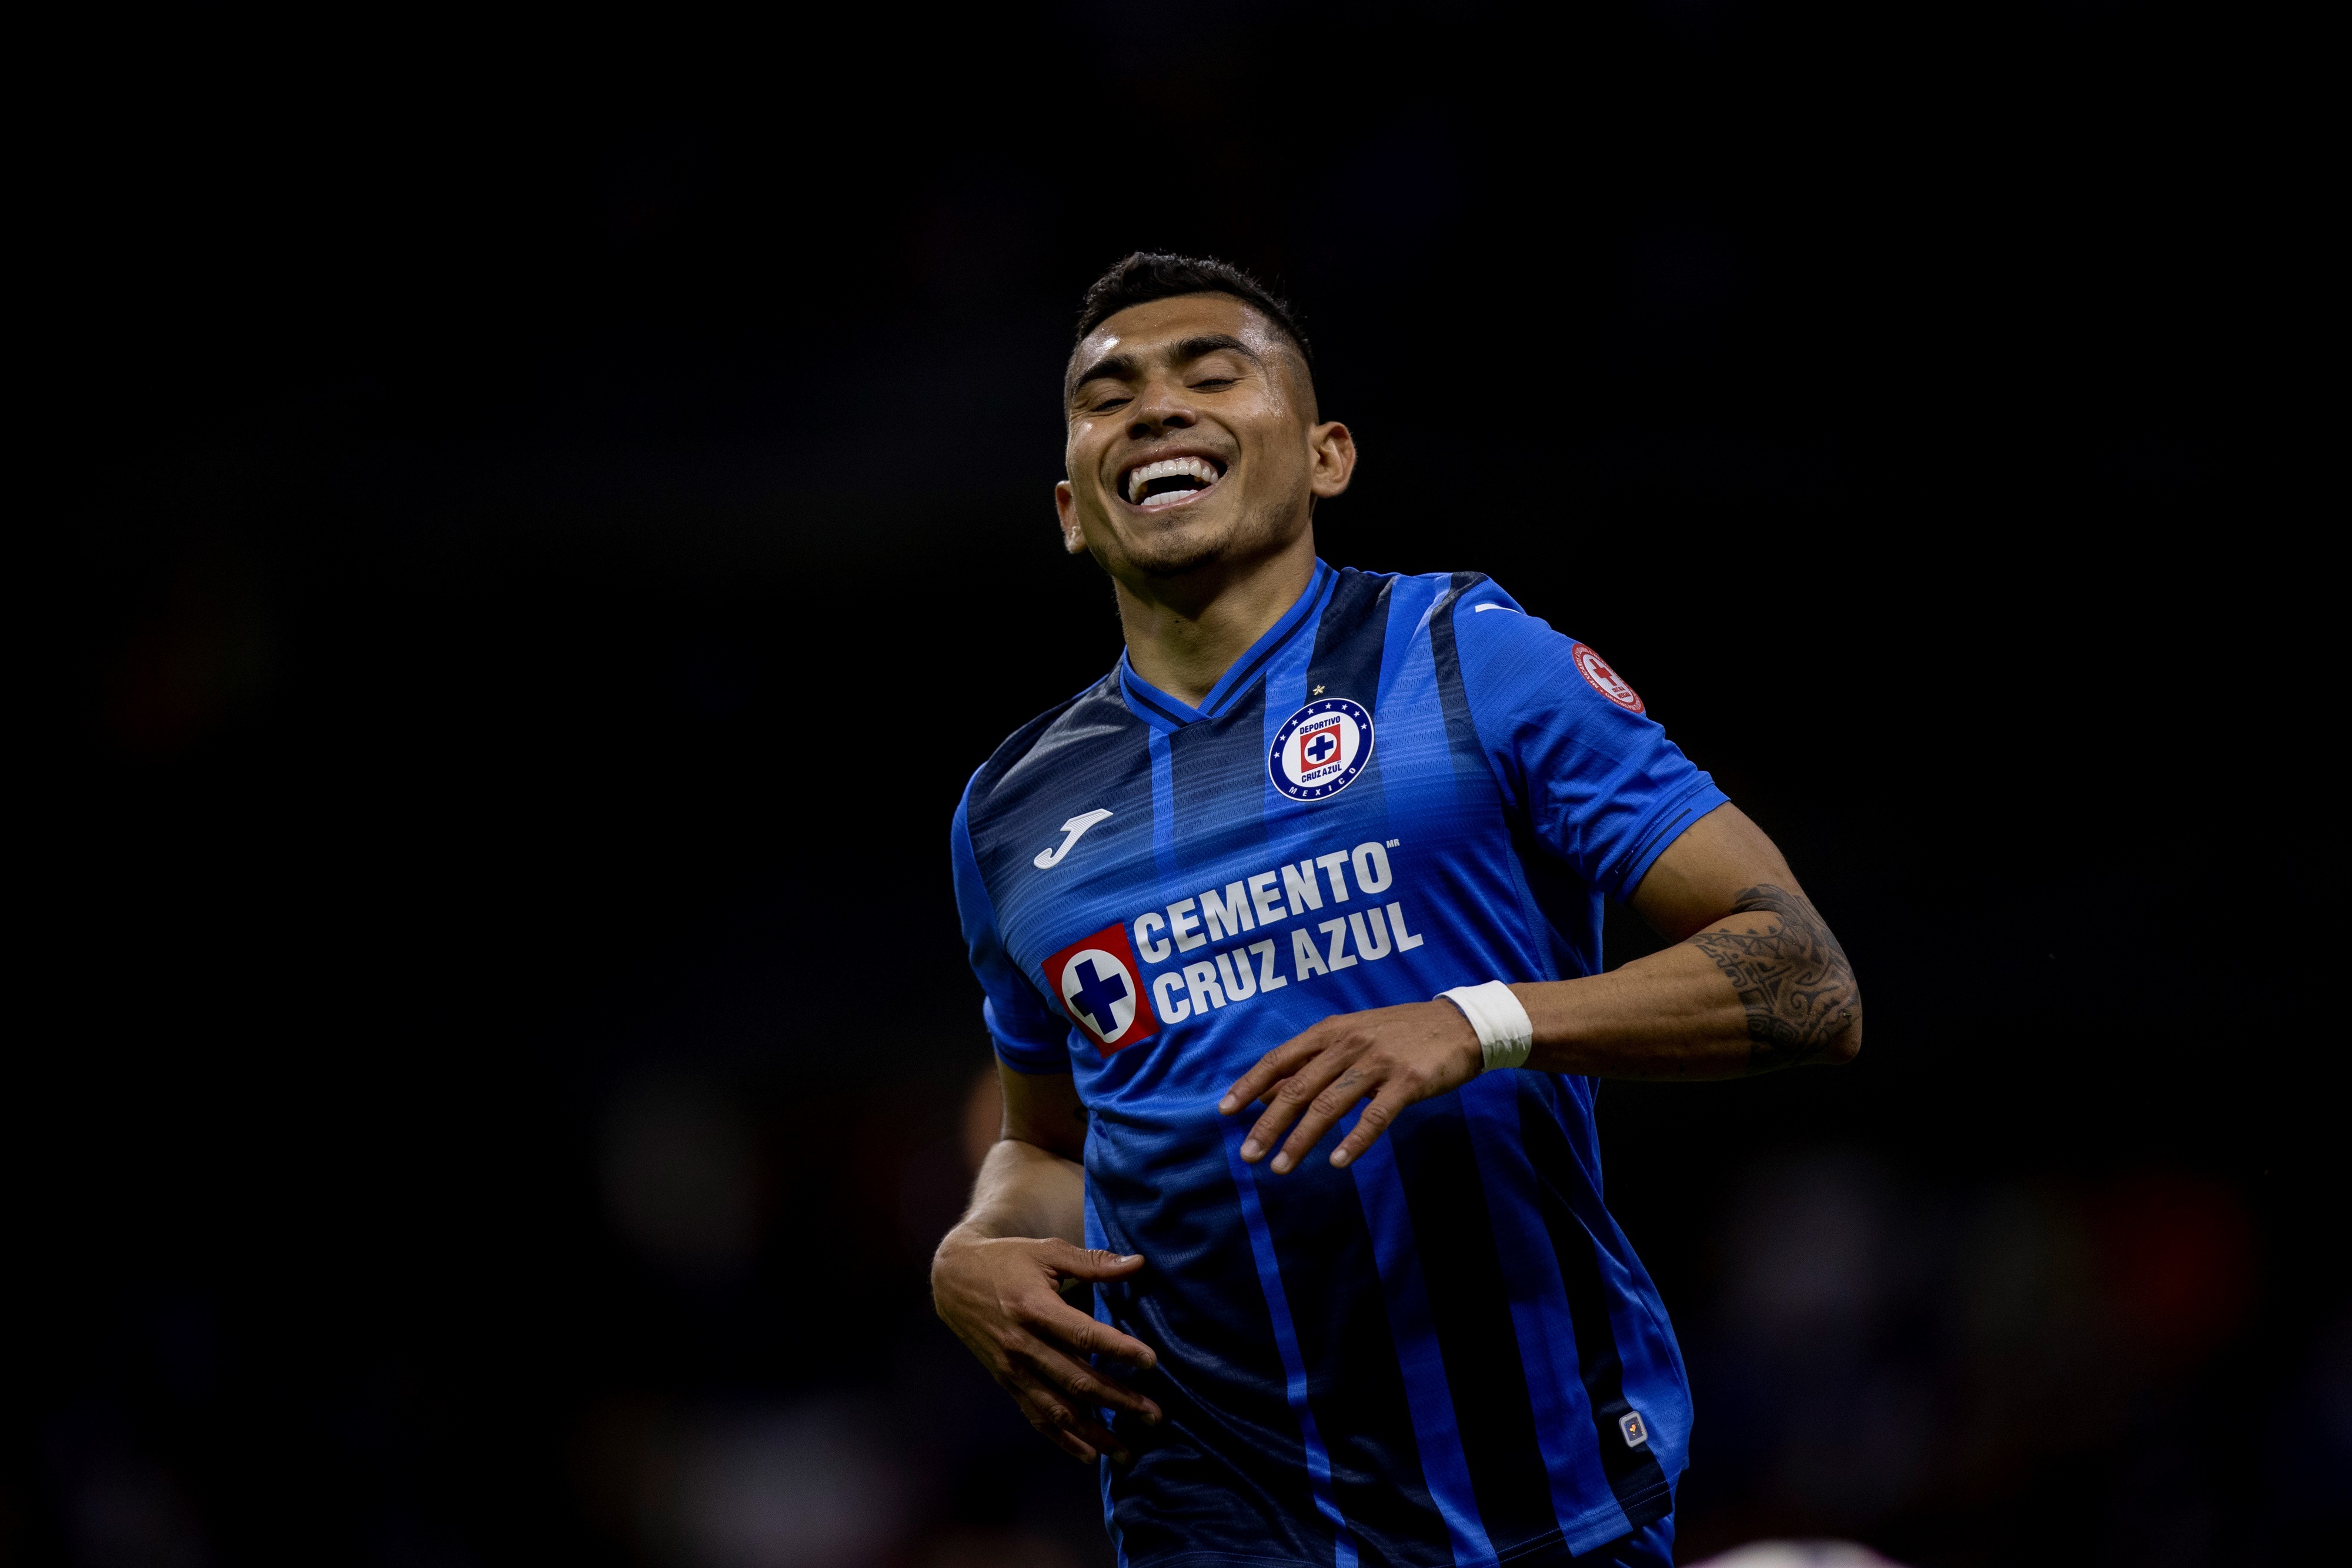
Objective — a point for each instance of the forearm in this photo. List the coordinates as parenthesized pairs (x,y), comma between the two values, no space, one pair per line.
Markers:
(1765,987)
(1010,1280)
(1025,1190)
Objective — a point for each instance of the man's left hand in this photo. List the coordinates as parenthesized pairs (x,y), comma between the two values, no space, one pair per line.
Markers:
(1397,1055)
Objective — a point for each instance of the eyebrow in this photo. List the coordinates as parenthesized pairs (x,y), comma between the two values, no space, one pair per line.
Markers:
(1123,367)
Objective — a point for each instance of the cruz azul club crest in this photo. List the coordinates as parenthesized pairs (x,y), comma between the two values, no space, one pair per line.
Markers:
(1096,976)
(1320,750)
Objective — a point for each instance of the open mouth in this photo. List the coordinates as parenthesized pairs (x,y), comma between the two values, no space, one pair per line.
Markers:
(1169,481)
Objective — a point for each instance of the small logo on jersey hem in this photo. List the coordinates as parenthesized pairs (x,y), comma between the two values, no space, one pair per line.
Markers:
(1096,976)
(1320,749)
(1636,1434)
(1605,680)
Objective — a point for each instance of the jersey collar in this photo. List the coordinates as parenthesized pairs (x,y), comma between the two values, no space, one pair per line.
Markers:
(1164,712)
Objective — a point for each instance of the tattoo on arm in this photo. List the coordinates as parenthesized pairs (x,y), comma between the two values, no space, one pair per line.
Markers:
(1791,973)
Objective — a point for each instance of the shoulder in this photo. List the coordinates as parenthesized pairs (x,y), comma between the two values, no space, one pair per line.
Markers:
(1447,607)
(1480,607)
(1437,593)
(1424,602)
(1512,657)
(1479,614)
(1464,619)
(1052,740)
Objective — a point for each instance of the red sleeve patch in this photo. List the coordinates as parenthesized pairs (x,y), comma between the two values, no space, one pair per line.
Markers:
(1606,680)
(1101,987)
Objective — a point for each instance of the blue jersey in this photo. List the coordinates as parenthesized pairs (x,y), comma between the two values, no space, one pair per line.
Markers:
(1446,1353)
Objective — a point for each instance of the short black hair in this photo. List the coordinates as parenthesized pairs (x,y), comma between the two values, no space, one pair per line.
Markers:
(1144,275)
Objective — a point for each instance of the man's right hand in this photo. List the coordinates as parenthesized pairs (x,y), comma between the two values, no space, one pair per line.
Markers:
(1002,1297)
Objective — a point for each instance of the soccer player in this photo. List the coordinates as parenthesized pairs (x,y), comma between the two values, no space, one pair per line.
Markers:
(1290,929)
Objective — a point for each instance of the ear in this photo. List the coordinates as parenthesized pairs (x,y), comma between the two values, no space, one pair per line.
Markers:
(1065,503)
(1332,452)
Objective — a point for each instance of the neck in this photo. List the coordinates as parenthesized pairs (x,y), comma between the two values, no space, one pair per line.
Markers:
(1183,633)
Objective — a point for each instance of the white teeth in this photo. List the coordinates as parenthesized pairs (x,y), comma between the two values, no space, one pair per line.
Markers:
(1199,468)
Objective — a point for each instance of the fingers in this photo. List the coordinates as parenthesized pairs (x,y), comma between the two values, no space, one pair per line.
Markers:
(1398,1055)
(1040,1361)
(1325,1110)
(1393,1098)
(1056,1338)
(1076,1434)
(1063,1397)
(1066,1443)
(1064,1324)
(1000,1298)
(1091,1262)
(1088,1388)
(1292,1097)
(1074,1326)
(1272,1068)
(1062,1346)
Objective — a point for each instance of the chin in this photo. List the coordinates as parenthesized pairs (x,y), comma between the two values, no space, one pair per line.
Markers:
(1184,548)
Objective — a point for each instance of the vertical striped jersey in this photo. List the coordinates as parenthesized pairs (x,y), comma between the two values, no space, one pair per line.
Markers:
(1446,1353)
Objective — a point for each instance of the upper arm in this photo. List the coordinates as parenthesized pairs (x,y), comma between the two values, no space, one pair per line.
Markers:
(1595,778)
(1026,1034)
(1697,879)
(1043,1109)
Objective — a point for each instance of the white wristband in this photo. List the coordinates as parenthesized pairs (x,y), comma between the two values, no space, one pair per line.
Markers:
(1506,1035)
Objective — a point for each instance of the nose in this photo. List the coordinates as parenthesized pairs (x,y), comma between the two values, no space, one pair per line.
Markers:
(1160,406)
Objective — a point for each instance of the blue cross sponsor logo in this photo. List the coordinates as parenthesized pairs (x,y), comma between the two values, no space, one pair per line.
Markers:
(1320,749)
(1095,978)
(1098,995)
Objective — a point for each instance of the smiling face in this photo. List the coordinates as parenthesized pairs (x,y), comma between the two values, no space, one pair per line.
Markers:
(1193,441)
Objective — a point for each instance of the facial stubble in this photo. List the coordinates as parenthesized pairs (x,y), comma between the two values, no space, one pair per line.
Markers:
(1167,554)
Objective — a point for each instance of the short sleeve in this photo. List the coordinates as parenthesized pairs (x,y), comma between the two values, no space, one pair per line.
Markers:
(1029,1038)
(1600,783)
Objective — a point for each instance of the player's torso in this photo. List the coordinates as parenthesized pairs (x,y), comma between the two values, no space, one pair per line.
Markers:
(1192,893)
(1189,888)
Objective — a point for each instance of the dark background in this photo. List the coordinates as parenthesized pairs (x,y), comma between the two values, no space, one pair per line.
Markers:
(543,527)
